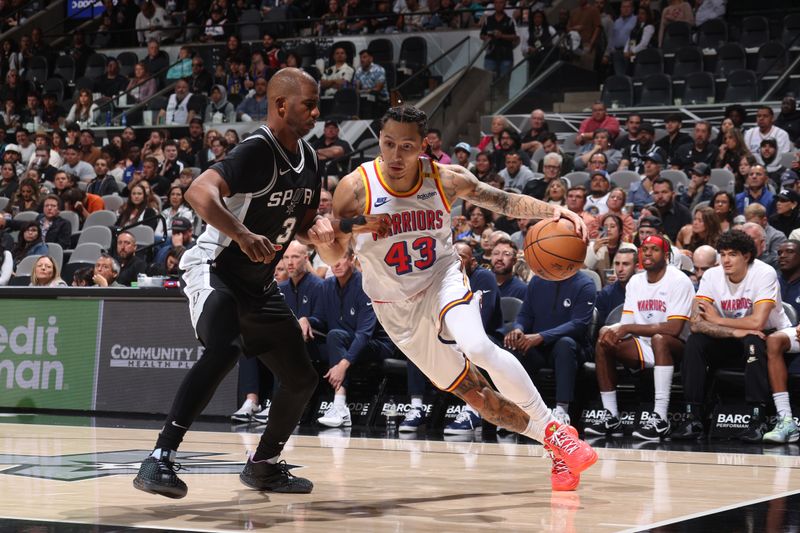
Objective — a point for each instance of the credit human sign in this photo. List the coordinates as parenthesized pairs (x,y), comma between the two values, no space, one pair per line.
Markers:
(31,339)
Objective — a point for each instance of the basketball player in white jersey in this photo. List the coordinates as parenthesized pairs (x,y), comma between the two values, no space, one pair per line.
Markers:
(651,334)
(422,297)
(736,303)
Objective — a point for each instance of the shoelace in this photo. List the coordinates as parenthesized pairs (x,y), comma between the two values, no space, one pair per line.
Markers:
(413,414)
(167,466)
(563,440)
(463,416)
(283,467)
(650,423)
(559,466)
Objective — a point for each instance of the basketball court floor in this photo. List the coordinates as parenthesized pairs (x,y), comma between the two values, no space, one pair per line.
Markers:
(73,474)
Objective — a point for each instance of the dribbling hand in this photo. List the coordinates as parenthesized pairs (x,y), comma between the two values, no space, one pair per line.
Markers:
(577,221)
(258,248)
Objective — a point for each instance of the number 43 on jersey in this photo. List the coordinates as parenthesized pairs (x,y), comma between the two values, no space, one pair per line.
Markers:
(399,257)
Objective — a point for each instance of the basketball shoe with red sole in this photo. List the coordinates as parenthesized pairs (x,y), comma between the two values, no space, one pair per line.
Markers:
(561,479)
(566,446)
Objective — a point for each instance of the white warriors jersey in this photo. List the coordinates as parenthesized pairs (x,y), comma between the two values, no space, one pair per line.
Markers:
(419,246)
(737,300)
(670,298)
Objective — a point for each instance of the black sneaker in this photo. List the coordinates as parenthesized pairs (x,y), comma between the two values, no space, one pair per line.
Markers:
(654,428)
(262,475)
(608,426)
(754,434)
(690,429)
(157,476)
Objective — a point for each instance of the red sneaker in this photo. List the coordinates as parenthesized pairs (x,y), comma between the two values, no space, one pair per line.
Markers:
(566,446)
(561,479)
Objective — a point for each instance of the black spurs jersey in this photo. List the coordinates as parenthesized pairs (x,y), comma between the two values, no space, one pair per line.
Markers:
(272,191)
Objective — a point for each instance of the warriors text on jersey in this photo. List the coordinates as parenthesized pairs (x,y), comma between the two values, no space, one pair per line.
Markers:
(272,190)
(419,244)
(670,298)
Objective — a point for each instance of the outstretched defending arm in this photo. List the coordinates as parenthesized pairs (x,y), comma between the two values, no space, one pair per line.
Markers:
(459,182)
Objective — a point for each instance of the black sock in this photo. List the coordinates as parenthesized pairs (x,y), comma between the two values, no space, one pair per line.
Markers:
(170,436)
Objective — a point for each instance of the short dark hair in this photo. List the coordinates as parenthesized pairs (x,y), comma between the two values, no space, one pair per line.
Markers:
(507,241)
(660,181)
(738,241)
(436,132)
(768,108)
(87,130)
(365,51)
(407,113)
(600,131)
(73,147)
(73,194)
(550,136)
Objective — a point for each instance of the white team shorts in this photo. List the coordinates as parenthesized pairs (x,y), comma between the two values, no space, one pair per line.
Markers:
(646,356)
(794,347)
(416,326)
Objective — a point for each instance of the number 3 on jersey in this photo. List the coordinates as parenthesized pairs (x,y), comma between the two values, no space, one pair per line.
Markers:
(399,258)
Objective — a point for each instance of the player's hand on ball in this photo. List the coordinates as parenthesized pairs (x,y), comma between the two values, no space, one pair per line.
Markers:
(377,224)
(258,248)
(321,232)
(577,221)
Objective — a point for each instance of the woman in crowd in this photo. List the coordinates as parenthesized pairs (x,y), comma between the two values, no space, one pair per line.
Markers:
(490,143)
(724,207)
(675,11)
(57,141)
(787,214)
(135,209)
(704,229)
(616,206)
(479,220)
(141,86)
(84,111)
(540,39)
(732,150)
(232,137)
(45,273)
(29,242)
(641,37)
(332,21)
(742,171)
(219,148)
(6,266)
(9,182)
(10,115)
(601,251)
(26,198)
(726,126)
(483,166)
(556,193)
(176,206)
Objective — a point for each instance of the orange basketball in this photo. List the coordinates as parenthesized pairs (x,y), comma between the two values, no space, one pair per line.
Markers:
(553,250)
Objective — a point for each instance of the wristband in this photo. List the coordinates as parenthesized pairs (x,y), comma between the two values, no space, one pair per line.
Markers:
(346,225)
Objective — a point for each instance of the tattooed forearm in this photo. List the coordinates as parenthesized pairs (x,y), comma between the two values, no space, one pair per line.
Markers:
(509,204)
(705,327)
(492,405)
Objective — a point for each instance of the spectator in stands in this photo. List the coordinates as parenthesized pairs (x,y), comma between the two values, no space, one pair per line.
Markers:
(12,155)
(483,166)
(701,151)
(182,106)
(357,14)
(183,67)
(171,167)
(732,150)
(80,51)
(725,126)
(533,138)
(759,236)
(616,206)
(53,228)
(339,74)
(200,81)
(383,20)
(130,264)
(124,15)
(350,336)
(613,293)
(551,330)
(325,203)
(158,183)
(8,180)
(500,32)
(10,116)
(215,27)
(479,220)
(14,88)
(620,37)
(81,202)
(598,119)
(584,22)
(757,214)
(103,183)
(601,145)
(176,206)
(141,86)
(26,147)
(31,112)
(156,59)
(504,256)
(154,146)
(491,142)
(756,190)
(434,138)
(219,148)
(29,242)
(597,201)
(254,108)
(537,187)
(74,165)
(515,174)
(112,83)
(766,129)
(370,78)
(768,156)
(541,38)
(674,137)
(63,181)
(550,145)
(704,229)
(84,111)
(26,197)
(461,155)
(698,190)
(674,215)
(576,200)
(330,146)
(651,333)
(151,23)
(789,119)
(706,10)
(724,206)
(45,273)
(675,11)
(105,272)
(46,159)
(734,303)
(412,16)
(332,21)
(703,258)
(135,166)
(89,152)
(182,236)
(742,171)
(601,251)
(631,136)
(787,212)
(136,210)
(634,155)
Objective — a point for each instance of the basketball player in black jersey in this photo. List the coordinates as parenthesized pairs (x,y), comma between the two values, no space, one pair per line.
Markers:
(261,196)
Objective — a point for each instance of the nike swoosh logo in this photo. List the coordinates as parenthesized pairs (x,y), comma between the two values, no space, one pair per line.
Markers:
(178,425)
(381,202)
(282,172)
(369,304)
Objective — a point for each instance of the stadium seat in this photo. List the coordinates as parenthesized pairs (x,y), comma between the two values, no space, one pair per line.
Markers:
(414,52)
(722,178)
(624,178)
(87,252)
(157,103)
(95,66)
(755,32)
(730,57)
(619,90)
(37,71)
(676,36)
(578,177)
(772,58)
(649,61)
(19,281)
(678,178)
(510,306)
(26,216)
(791,30)
(698,87)
(105,218)
(688,60)
(144,235)
(55,251)
(4,202)
(65,68)
(712,34)
(742,86)
(56,87)
(96,234)
(791,313)
(307,52)
(25,267)
(345,104)
(614,316)
(73,219)
(701,205)
(83,83)
(113,202)
(595,277)
(382,50)
(656,91)
(250,25)
(127,60)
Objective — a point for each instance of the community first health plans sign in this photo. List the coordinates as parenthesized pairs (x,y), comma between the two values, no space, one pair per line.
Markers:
(121,355)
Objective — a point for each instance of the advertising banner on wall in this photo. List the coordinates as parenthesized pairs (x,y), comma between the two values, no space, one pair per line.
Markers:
(47,353)
(85,9)
(146,349)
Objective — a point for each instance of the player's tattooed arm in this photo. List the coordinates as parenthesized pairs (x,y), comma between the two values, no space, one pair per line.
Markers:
(699,324)
(492,405)
(458,182)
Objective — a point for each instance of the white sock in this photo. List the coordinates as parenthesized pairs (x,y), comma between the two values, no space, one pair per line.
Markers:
(781,400)
(609,400)
(662,377)
(274,460)
(416,402)
(340,400)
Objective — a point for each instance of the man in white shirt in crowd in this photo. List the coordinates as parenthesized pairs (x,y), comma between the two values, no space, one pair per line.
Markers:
(337,75)
(766,129)
(180,106)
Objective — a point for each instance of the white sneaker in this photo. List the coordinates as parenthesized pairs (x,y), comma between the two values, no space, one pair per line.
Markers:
(336,417)
(262,417)
(561,416)
(246,412)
